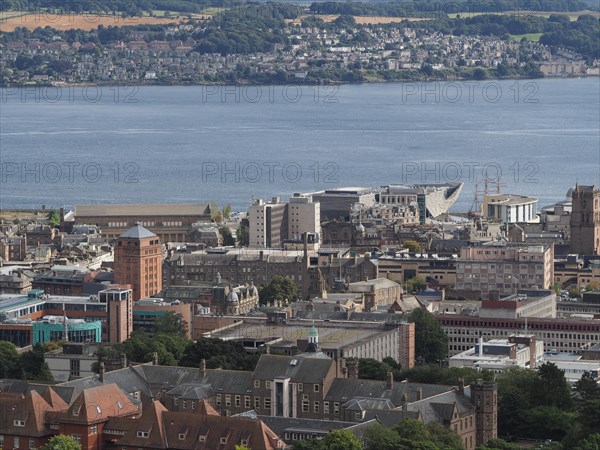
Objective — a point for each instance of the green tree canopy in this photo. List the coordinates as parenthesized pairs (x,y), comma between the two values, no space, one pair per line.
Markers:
(279,290)
(431,343)
(9,368)
(171,323)
(61,442)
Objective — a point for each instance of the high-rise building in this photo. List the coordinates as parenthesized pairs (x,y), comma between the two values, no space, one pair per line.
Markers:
(138,262)
(585,220)
(119,317)
(273,223)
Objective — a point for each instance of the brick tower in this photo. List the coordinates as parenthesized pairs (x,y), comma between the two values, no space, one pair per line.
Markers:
(585,220)
(138,262)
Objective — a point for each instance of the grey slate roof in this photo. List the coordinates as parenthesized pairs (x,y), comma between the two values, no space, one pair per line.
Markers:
(344,389)
(281,425)
(442,406)
(309,367)
(138,232)
(390,417)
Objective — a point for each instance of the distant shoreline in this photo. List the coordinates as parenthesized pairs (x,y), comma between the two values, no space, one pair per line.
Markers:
(289,82)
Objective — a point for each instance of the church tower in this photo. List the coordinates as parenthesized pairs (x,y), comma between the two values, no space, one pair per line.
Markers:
(585,220)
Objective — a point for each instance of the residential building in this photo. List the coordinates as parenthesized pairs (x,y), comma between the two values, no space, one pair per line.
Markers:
(502,268)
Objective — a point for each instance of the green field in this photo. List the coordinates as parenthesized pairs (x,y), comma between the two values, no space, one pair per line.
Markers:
(535,37)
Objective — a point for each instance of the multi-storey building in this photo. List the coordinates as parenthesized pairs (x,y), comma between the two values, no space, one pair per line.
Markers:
(170,222)
(585,220)
(63,281)
(119,314)
(270,224)
(564,335)
(490,268)
(138,262)
(509,208)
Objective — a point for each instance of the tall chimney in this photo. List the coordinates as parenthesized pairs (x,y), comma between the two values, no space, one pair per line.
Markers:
(389,381)
(202,368)
(461,385)
(404,402)
(480,345)
(155,359)
(123,360)
(101,373)
(419,393)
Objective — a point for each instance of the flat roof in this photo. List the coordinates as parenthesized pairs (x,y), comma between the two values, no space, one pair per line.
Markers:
(329,337)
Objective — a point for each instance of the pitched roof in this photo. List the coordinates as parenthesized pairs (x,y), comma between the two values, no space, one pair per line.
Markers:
(304,368)
(137,232)
(173,209)
(97,404)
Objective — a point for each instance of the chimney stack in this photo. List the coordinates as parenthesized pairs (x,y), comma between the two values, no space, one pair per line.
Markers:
(202,368)
(389,381)
(461,386)
(404,402)
(101,373)
(155,359)
(419,393)
(123,360)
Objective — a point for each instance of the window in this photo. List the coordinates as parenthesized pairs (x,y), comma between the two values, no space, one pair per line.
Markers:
(316,407)
(267,384)
(257,403)
(336,408)
(31,444)
(175,401)
(181,436)
(244,442)
(218,399)
(256,384)
(237,401)
(18,423)
(202,438)
(1,440)
(75,367)
(227,400)
(267,403)
(316,388)
(326,407)
(94,429)
(305,406)
(184,404)
(223,440)
(16,443)
(246,401)
(142,434)
(300,387)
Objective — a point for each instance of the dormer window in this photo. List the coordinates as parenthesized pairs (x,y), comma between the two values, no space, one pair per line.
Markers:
(181,436)
(143,434)
(202,438)
(18,423)
(223,440)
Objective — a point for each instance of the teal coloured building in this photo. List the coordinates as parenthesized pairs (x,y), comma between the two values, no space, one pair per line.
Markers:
(78,331)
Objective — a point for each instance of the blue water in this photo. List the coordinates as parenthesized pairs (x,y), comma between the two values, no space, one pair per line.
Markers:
(60,147)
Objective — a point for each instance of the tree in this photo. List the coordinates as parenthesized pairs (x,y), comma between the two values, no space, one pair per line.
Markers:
(412,246)
(587,387)
(218,354)
(479,74)
(61,442)
(340,440)
(279,290)
(379,437)
(226,212)
(54,218)
(371,369)
(431,343)
(228,239)
(9,368)
(171,323)
(416,284)
(33,366)
(243,233)
(498,444)
(553,380)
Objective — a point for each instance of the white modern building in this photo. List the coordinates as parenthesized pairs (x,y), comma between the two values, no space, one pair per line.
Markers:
(499,354)
(509,208)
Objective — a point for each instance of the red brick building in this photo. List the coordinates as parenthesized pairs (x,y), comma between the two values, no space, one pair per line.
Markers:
(138,262)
